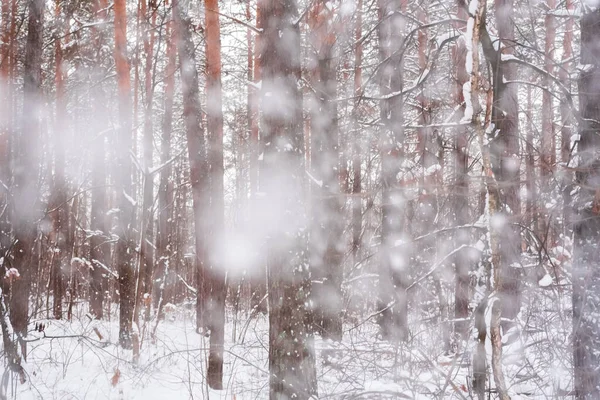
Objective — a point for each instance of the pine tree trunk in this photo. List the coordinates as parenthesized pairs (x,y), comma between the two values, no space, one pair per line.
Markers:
(26,170)
(504,152)
(196,143)
(147,261)
(165,190)
(216,276)
(291,353)
(548,146)
(326,254)
(99,248)
(586,210)
(126,243)
(356,148)
(462,260)
(393,281)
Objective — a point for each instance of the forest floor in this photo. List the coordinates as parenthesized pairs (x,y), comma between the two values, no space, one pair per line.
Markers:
(70,361)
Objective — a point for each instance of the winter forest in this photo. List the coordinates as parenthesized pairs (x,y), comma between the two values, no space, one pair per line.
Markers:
(300,199)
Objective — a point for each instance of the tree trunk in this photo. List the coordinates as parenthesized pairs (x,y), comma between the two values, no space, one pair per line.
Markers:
(356,149)
(259,278)
(5,122)
(586,210)
(462,260)
(326,253)
(291,352)
(548,146)
(196,147)
(566,117)
(393,281)
(126,242)
(165,190)
(214,118)
(99,247)
(26,170)
(59,205)
(504,152)
(147,261)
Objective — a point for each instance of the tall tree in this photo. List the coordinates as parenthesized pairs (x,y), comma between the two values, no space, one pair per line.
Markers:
(548,144)
(125,244)
(393,274)
(59,204)
(214,125)
(356,148)
(462,260)
(586,204)
(26,169)
(326,251)
(99,247)
(148,15)
(196,144)
(5,122)
(291,353)
(504,153)
(165,189)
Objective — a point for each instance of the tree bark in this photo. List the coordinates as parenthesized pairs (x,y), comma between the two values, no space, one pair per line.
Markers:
(196,144)
(356,148)
(126,242)
(393,274)
(548,146)
(586,210)
(291,352)
(216,271)
(165,190)
(99,247)
(462,260)
(326,253)
(504,153)
(26,170)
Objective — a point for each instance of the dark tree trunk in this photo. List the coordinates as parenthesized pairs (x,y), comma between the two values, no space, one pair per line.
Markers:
(504,152)
(586,209)
(216,276)
(99,247)
(282,177)
(393,279)
(258,278)
(147,262)
(196,144)
(326,251)
(26,170)
(59,205)
(5,123)
(165,189)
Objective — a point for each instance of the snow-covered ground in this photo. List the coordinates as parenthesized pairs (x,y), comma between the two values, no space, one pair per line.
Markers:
(70,361)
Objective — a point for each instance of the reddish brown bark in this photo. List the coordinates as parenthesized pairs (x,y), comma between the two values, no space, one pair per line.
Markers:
(125,244)
(59,205)
(214,118)
(25,172)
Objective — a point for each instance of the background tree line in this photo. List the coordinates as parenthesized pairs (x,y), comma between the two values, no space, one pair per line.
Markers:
(330,163)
